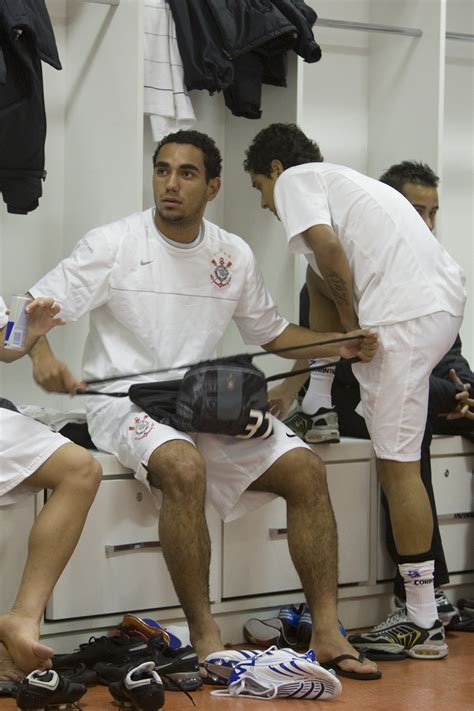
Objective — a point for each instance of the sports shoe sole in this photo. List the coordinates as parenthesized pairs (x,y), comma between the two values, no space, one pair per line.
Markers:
(329,436)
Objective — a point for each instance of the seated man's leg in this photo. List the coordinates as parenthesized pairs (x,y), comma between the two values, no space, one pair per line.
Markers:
(169,464)
(299,476)
(74,476)
(178,470)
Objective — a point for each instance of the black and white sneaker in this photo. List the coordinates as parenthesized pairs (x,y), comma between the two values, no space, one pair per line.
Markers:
(324,427)
(178,668)
(47,689)
(141,688)
(447,612)
(116,648)
(399,636)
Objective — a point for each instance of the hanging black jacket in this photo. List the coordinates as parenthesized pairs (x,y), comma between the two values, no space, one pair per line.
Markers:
(26,38)
(236,45)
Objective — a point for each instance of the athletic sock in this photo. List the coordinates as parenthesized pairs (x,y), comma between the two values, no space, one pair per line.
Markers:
(320,384)
(419,589)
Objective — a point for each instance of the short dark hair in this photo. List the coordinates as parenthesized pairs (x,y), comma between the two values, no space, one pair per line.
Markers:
(211,153)
(280,141)
(409,171)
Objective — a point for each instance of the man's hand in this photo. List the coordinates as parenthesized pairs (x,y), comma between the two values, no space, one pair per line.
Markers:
(364,348)
(280,401)
(43,316)
(55,377)
(465,404)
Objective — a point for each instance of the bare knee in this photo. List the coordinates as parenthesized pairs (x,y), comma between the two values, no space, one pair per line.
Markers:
(298,476)
(178,470)
(83,472)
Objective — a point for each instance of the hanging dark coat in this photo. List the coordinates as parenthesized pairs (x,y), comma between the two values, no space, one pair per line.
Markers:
(237,45)
(26,38)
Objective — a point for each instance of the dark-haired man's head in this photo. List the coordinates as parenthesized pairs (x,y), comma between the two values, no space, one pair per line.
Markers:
(419,184)
(273,150)
(187,166)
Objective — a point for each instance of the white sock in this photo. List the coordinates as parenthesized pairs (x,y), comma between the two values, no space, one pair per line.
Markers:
(419,588)
(320,384)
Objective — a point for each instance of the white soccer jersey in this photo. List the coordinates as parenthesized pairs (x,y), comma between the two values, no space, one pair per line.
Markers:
(399,269)
(154,305)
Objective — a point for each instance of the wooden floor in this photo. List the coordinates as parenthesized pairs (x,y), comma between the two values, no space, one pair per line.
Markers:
(409,685)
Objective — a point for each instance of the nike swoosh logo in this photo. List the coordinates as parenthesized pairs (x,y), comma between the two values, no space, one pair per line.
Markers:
(145,261)
(288,435)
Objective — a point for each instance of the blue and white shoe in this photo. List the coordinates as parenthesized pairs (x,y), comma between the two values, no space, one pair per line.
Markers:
(219,665)
(305,628)
(282,673)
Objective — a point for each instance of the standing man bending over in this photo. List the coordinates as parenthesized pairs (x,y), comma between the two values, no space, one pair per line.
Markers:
(34,458)
(376,264)
(161,287)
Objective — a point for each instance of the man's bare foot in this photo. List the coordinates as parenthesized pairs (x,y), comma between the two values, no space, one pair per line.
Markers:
(20,637)
(204,646)
(331,646)
(8,670)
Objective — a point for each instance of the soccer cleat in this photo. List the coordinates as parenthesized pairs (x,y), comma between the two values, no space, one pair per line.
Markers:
(398,635)
(178,668)
(447,612)
(141,688)
(281,673)
(47,689)
(324,427)
(219,665)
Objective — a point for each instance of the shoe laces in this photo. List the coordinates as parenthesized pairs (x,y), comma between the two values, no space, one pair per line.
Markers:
(177,686)
(394,617)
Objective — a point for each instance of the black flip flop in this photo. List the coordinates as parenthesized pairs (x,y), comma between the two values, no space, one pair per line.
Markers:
(334,664)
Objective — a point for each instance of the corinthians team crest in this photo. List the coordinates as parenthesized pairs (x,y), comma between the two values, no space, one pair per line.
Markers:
(142,427)
(221,275)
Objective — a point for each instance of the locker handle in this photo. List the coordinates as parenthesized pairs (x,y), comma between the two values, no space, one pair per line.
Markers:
(277,533)
(456,516)
(109,550)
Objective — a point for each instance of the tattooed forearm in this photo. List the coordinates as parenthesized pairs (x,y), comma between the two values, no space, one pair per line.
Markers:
(338,287)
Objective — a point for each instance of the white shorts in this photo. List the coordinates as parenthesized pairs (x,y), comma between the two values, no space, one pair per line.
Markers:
(232,464)
(394,386)
(24,446)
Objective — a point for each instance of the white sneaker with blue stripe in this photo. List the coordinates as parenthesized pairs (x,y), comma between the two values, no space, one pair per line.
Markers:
(281,673)
(219,665)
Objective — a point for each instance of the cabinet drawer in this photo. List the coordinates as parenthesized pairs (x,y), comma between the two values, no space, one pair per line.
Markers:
(453,484)
(118,565)
(256,557)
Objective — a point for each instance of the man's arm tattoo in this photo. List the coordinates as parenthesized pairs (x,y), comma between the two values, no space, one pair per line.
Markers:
(338,288)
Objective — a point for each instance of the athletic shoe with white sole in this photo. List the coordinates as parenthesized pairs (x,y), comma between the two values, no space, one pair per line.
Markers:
(47,689)
(281,673)
(398,635)
(324,428)
(219,665)
(141,688)
(321,427)
(447,612)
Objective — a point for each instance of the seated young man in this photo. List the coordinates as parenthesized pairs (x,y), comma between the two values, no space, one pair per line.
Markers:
(34,458)
(373,262)
(161,287)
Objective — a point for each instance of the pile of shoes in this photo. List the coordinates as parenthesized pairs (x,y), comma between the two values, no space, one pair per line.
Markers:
(273,673)
(291,628)
(109,658)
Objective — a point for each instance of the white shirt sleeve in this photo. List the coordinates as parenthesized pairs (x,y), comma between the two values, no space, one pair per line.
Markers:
(301,202)
(3,315)
(81,282)
(256,315)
